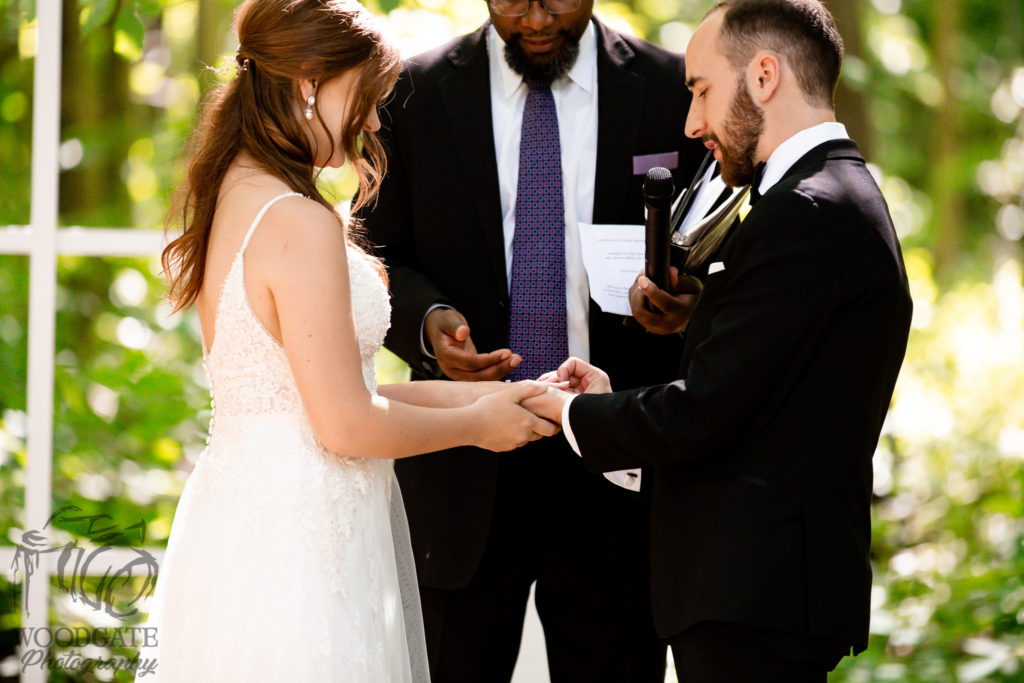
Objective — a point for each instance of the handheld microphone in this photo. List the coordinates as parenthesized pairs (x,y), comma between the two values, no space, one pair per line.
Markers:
(658,189)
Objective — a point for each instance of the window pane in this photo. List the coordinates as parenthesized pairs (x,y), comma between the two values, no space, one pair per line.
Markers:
(13,363)
(10,622)
(16,51)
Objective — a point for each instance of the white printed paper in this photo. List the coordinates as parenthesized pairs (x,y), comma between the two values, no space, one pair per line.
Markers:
(613,256)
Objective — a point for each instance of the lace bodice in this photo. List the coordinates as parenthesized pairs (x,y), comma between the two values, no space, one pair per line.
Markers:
(247,366)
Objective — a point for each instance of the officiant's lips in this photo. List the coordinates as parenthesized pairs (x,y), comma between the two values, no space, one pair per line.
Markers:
(539,45)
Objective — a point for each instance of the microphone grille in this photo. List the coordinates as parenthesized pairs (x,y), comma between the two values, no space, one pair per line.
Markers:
(658,182)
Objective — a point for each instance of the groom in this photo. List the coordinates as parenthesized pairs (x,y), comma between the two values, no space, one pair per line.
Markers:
(760,453)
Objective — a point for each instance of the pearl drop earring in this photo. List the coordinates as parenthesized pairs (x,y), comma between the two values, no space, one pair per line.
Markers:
(308,112)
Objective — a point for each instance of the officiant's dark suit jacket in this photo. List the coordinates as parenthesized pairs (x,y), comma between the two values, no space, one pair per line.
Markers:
(761,452)
(438,226)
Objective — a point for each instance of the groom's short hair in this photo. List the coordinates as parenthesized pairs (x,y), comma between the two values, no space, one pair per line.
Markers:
(802,31)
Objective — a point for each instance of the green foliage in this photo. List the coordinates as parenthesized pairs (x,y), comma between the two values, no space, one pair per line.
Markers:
(948,536)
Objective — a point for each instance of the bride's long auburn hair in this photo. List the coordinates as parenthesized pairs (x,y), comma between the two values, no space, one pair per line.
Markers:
(280,43)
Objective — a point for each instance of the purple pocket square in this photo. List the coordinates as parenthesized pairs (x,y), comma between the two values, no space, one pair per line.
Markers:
(645,162)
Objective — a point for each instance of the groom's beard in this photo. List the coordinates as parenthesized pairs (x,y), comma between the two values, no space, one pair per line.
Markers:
(742,127)
(542,71)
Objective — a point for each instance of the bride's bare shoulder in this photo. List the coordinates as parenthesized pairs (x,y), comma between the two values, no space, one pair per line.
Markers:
(300,223)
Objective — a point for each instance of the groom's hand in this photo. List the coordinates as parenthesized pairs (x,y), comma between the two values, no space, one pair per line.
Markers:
(448,333)
(672,310)
(584,378)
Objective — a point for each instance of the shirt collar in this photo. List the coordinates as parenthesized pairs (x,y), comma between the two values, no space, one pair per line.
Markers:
(583,73)
(790,151)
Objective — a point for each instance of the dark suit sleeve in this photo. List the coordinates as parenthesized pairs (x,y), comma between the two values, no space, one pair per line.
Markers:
(762,318)
(389,226)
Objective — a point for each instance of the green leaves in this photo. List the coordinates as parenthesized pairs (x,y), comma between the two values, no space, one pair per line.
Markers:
(123,17)
(95,14)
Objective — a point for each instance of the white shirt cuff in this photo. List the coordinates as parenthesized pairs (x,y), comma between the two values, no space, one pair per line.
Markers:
(627,479)
(423,340)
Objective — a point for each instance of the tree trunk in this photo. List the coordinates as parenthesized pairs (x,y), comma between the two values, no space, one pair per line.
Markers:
(943,185)
(851,103)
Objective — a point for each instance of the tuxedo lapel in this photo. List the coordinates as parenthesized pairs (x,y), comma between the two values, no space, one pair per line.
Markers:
(467,101)
(619,109)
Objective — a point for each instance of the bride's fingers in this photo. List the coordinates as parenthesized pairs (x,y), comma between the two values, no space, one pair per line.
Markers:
(545,428)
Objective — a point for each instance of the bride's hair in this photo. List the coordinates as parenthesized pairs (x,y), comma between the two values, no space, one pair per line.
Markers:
(280,43)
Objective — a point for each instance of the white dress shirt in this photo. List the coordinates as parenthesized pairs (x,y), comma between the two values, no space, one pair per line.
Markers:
(778,164)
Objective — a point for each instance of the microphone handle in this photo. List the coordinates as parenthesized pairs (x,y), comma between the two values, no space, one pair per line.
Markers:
(656,239)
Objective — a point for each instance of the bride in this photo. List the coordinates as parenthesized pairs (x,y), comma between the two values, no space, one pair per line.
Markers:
(289,559)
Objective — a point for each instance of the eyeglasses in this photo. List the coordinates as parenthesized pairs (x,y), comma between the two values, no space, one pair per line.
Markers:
(520,8)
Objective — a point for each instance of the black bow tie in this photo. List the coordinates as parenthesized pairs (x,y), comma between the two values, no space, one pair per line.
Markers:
(755,182)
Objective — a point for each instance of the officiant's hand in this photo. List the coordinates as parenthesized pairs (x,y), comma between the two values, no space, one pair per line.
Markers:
(672,309)
(448,333)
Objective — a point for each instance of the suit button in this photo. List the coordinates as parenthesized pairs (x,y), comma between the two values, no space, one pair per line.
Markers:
(501,305)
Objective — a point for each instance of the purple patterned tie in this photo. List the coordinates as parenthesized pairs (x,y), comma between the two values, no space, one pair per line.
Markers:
(537,320)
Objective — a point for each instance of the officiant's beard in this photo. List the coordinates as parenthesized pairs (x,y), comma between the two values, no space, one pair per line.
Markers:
(542,71)
(743,127)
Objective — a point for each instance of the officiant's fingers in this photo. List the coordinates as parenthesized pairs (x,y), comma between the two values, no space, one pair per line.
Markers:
(687,284)
(466,364)
(667,303)
(671,314)
(445,322)
(637,299)
(453,323)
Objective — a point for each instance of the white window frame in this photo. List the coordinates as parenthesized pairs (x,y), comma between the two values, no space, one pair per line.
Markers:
(43,242)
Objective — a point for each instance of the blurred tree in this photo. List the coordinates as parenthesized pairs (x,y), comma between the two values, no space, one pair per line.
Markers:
(851,100)
(943,187)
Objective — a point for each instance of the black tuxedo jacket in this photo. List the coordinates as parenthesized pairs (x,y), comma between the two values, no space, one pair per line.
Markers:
(438,226)
(762,450)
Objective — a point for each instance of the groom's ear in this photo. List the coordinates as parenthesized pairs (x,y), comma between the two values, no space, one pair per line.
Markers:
(764,74)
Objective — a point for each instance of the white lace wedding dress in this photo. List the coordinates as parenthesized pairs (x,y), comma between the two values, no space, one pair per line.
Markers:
(285,562)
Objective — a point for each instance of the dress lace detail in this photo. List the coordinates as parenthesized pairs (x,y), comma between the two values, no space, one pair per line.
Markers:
(281,563)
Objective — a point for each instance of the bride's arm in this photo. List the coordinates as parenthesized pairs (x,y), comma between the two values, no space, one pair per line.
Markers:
(436,393)
(302,260)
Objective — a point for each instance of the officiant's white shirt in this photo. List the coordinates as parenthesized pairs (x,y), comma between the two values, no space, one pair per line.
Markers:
(780,161)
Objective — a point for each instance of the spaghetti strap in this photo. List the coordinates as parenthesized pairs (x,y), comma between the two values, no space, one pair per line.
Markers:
(259,216)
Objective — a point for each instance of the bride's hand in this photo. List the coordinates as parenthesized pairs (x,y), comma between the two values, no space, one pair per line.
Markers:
(503,424)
